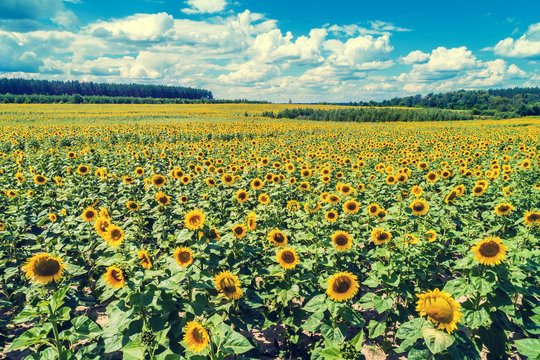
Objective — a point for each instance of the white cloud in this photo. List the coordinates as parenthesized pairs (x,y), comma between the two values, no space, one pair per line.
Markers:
(65,18)
(516,72)
(415,57)
(356,51)
(138,27)
(204,6)
(527,46)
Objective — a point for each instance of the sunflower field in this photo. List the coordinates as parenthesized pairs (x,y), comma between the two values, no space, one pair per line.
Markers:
(193,232)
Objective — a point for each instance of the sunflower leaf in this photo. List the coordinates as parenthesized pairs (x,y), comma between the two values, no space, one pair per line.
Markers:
(436,340)
(529,347)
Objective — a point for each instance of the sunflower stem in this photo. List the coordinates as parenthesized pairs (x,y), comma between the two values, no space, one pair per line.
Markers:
(58,342)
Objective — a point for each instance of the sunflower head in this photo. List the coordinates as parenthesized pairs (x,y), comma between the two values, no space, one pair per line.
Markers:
(162,199)
(183,256)
(380,236)
(416,190)
(131,205)
(342,240)
(531,218)
(145,259)
(287,258)
(196,337)
(194,219)
(252,221)
(431,235)
(342,286)
(89,214)
(239,230)
(83,169)
(410,239)
(331,216)
(351,207)
(503,209)
(40,179)
(158,180)
(440,308)
(264,199)
(373,209)
(277,238)
(101,225)
(419,207)
(114,235)
(490,251)
(44,268)
(242,196)
(114,277)
(228,284)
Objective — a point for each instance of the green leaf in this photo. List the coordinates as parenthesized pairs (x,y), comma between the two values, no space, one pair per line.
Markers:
(85,327)
(31,336)
(313,322)
(58,297)
(411,329)
(376,328)
(529,347)
(476,318)
(436,340)
(332,353)
(235,343)
(358,340)
(316,304)
(133,350)
(337,334)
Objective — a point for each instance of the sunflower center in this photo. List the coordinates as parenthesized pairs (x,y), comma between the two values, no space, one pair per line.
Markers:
(341,240)
(40,179)
(116,275)
(279,238)
(341,285)
(195,220)
(228,285)
(46,267)
(440,310)
(382,236)
(373,209)
(162,200)
(242,196)
(116,234)
(477,189)
(504,208)
(489,249)
(158,181)
(184,257)
(351,206)
(198,335)
(238,230)
(287,257)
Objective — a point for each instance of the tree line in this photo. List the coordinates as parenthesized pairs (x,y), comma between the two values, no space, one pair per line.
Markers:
(502,103)
(370,114)
(60,88)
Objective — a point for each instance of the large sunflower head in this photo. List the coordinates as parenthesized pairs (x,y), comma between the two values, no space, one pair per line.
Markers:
(228,284)
(183,256)
(257,184)
(239,230)
(331,216)
(83,169)
(162,199)
(342,286)
(196,337)
(503,209)
(114,235)
(242,196)
(440,308)
(490,251)
(89,214)
(432,177)
(227,179)
(287,258)
(419,207)
(342,240)
(351,207)
(158,180)
(145,259)
(44,268)
(277,238)
(114,277)
(194,219)
(380,236)
(40,179)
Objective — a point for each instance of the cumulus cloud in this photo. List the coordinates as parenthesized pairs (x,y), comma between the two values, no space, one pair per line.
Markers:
(415,57)
(138,27)
(527,46)
(204,6)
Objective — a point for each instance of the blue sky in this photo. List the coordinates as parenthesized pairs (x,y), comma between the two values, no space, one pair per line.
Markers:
(307,51)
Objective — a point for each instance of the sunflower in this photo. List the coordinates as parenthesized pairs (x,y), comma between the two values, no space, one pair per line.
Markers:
(252,221)
(342,240)
(531,217)
(114,277)
(227,179)
(194,219)
(342,286)
(53,217)
(410,239)
(503,209)
(139,171)
(331,216)
(228,284)
(380,236)
(104,213)
(213,234)
(145,262)
(277,238)
(2,226)
(196,337)
(440,308)
(257,184)
(210,181)
(83,169)
(382,213)
(419,207)
(287,258)
(239,230)
(264,199)
(131,205)
(490,251)
(40,179)
(451,197)
(101,225)
(158,180)
(390,179)
(373,209)
(114,235)
(417,191)
(351,207)
(478,190)
(89,214)
(183,256)
(431,235)
(44,268)
(162,199)
(432,177)
(241,196)
(333,199)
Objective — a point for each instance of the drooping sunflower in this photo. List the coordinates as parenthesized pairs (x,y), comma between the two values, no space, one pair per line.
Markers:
(114,235)
(89,214)
(380,236)
(44,268)
(145,262)
(419,207)
(351,207)
(101,225)
(162,199)
(131,205)
(287,258)
(331,216)
(431,235)
(252,221)
(196,337)
(158,180)
(194,219)
(440,308)
(342,286)
(531,218)
(410,239)
(239,230)
(342,240)
(490,251)
(183,256)
(503,209)
(451,197)
(114,277)
(241,196)
(228,284)
(277,238)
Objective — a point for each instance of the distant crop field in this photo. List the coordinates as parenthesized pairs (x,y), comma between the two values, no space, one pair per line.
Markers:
(207,231)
